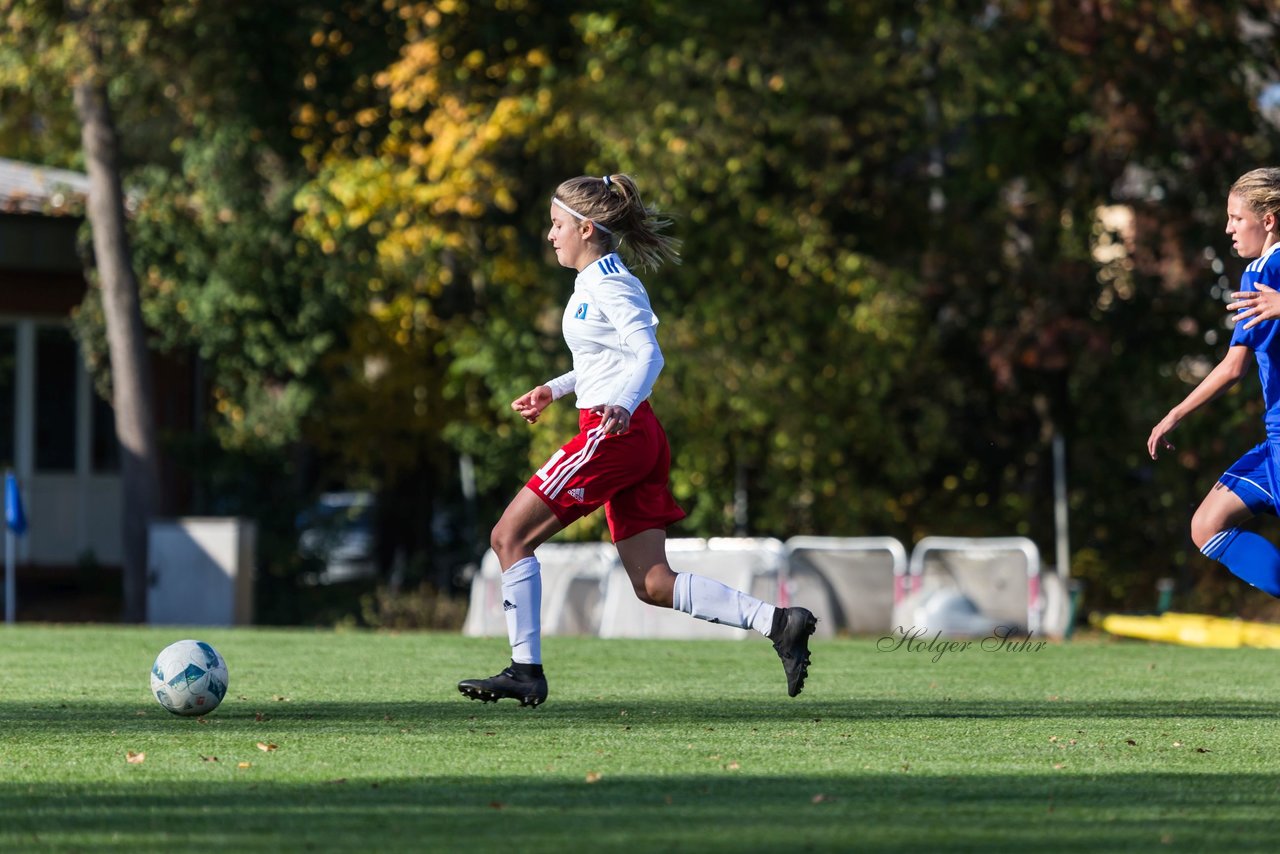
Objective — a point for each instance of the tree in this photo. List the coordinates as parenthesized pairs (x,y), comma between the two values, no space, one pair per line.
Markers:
(133,393)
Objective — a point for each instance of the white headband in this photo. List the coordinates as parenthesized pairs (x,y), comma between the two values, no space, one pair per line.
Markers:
(556,201)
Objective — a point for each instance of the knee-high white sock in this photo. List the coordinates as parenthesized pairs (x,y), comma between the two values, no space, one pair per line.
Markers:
(522,602)
(707,599)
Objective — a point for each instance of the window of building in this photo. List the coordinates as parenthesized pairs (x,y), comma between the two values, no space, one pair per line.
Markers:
(56,399)
(8,392)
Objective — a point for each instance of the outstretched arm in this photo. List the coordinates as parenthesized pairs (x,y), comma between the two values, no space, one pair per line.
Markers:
(530,404)
(1262,304)
(1226,374)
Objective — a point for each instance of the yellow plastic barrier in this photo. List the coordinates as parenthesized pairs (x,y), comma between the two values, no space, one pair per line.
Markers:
(1195,630)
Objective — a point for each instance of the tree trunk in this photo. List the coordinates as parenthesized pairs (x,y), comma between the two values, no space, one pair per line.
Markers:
(131,379)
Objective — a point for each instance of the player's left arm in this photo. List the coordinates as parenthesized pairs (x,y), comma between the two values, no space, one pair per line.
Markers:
(1234,365)
(615,417)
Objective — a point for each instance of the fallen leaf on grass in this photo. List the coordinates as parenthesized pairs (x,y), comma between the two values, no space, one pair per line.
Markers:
(209,758)
(1131,742)
(819,799)
(732,766)
(1058,766)
(266,748)
(244,764)
(279,699)
(593,776)
(497,805)
(260,717)
(135,758)
(1203,750)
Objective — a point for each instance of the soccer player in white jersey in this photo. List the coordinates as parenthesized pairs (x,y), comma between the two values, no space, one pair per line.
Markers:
(1252,484)
(620,458)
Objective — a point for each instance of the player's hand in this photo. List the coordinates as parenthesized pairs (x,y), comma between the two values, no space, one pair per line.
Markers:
(1158,440)
(530,404)
(613,419)
(1262,304)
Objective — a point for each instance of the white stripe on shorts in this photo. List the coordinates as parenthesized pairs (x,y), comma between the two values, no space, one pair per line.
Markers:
(1253,483)
(567,468)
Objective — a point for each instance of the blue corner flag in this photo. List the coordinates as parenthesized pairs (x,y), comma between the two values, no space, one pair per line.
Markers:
(13,515)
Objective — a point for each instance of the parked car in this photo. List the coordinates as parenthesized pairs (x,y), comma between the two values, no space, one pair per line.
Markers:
(338,531)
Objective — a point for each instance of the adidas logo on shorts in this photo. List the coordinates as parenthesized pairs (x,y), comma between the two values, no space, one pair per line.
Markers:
(507,606)
(577,494)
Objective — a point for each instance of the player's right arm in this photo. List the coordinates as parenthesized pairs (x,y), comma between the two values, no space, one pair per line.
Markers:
(530,404)
(1255,306)
(1227,373)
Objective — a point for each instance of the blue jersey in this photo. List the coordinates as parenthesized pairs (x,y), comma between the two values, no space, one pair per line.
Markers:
(1263,339)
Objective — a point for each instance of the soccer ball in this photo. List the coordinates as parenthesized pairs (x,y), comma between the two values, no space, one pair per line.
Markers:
(189,678)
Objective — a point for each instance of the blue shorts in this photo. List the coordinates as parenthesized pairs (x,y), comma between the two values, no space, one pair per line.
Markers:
(1253,476)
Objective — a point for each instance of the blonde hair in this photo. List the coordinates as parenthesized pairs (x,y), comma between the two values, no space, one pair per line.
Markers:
(1260,190)
(624,223)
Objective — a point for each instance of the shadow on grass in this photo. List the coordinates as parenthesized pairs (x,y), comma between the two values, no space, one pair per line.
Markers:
(881,812)
(18,718)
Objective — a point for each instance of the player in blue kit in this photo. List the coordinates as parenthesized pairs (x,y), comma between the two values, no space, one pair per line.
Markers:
(1252,485)
(619,459)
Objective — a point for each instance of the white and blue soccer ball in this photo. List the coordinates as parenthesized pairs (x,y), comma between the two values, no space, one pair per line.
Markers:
(189,678)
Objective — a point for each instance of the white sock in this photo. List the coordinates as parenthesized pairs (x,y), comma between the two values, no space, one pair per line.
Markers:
(522,604)
(707,599)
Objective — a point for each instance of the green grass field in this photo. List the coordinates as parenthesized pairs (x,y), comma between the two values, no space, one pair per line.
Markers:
(643,745)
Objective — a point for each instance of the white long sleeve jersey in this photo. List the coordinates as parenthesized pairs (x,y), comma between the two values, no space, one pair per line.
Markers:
(609,327)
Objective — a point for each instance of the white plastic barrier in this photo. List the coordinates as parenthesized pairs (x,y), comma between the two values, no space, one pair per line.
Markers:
(850,583)
(998,575)
(200,571)
(573,580)
(753,565)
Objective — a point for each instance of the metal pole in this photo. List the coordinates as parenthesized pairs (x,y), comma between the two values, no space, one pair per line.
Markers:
(1063,549)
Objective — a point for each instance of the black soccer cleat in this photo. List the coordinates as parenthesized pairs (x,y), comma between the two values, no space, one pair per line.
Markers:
(523,682)
(791,630)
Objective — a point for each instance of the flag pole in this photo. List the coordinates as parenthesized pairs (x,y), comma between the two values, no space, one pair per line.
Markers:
(15,526)
(10,592)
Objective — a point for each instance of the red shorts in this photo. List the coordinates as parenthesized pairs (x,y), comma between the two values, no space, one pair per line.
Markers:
(626,472)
